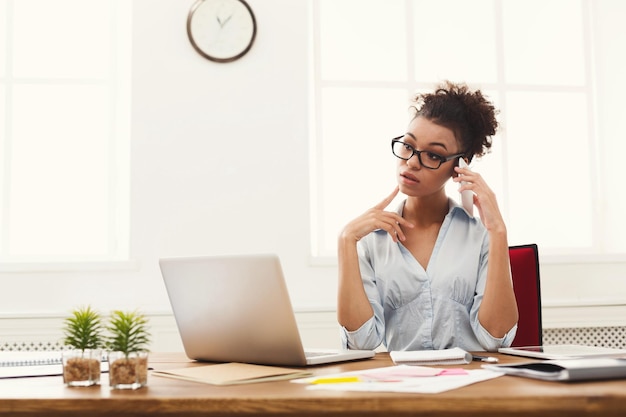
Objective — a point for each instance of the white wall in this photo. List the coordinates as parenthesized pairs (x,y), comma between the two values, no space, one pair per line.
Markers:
(191,195)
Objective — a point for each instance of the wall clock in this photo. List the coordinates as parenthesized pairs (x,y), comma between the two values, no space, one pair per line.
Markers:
(221,30)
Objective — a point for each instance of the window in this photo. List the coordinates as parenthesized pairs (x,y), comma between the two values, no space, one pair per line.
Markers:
(547,66)
(65,123)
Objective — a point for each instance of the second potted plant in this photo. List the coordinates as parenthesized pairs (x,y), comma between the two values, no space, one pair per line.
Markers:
(128,354)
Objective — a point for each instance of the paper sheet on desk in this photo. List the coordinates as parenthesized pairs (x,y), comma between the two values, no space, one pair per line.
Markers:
(404,378)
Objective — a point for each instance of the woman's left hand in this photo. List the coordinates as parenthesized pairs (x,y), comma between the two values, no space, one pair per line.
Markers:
(484,198)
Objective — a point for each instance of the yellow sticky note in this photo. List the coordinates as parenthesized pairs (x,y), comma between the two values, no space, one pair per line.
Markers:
(336,380)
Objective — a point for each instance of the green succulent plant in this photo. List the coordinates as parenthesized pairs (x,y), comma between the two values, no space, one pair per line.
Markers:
(83,329)
(128,332)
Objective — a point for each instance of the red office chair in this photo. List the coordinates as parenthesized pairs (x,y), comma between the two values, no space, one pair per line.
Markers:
(525,273)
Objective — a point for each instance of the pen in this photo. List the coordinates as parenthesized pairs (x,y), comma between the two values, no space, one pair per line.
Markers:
(489,359)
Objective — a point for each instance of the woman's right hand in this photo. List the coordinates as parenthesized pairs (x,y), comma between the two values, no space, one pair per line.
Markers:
(377,218)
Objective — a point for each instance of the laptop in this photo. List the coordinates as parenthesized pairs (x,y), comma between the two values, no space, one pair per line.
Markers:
(237,309)
(562,351)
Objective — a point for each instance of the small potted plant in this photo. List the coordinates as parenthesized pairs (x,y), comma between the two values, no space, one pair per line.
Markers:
(83,334)
(128,354)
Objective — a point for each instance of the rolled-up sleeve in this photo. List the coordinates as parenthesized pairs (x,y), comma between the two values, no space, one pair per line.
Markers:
(492,344)
(364,337)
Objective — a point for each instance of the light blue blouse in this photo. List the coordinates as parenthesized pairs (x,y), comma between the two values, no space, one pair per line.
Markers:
(436,308)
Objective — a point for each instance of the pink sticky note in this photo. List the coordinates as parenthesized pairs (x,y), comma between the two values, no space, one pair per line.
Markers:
(452,371)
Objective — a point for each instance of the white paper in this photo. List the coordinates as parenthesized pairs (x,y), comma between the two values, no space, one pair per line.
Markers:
(418,385)
(403,378)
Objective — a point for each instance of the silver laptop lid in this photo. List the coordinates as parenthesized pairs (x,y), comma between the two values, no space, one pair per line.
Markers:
(233,309)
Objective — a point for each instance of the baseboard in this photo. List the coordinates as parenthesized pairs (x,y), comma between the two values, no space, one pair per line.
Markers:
(318,329)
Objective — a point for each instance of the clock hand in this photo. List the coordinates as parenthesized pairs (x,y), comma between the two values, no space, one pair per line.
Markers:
(226,21)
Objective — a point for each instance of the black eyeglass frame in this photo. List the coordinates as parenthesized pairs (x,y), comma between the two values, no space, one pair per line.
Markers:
(442,159)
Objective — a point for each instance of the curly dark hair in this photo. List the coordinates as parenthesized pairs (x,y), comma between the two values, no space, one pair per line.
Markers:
(470,115)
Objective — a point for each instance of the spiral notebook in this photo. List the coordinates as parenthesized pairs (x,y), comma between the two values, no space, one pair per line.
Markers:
(18,364)
(452,356)
(29,358)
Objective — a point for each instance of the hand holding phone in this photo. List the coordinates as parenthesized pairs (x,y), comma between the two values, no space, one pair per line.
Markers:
(467,196)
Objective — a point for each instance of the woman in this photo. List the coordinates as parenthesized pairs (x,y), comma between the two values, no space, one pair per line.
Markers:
(430,275)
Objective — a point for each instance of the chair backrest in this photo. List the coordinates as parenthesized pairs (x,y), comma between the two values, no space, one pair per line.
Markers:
(526,284)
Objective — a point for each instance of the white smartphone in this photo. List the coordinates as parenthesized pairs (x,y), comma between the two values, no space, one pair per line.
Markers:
(467,196)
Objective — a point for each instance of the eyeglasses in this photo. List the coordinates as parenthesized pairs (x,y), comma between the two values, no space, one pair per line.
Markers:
(431,160)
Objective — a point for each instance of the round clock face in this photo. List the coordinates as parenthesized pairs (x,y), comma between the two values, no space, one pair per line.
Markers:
(221,30)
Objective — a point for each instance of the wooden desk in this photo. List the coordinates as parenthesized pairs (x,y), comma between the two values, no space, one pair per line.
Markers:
(504,396)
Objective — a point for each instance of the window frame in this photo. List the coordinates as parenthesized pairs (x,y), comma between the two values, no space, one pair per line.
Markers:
(117,84)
